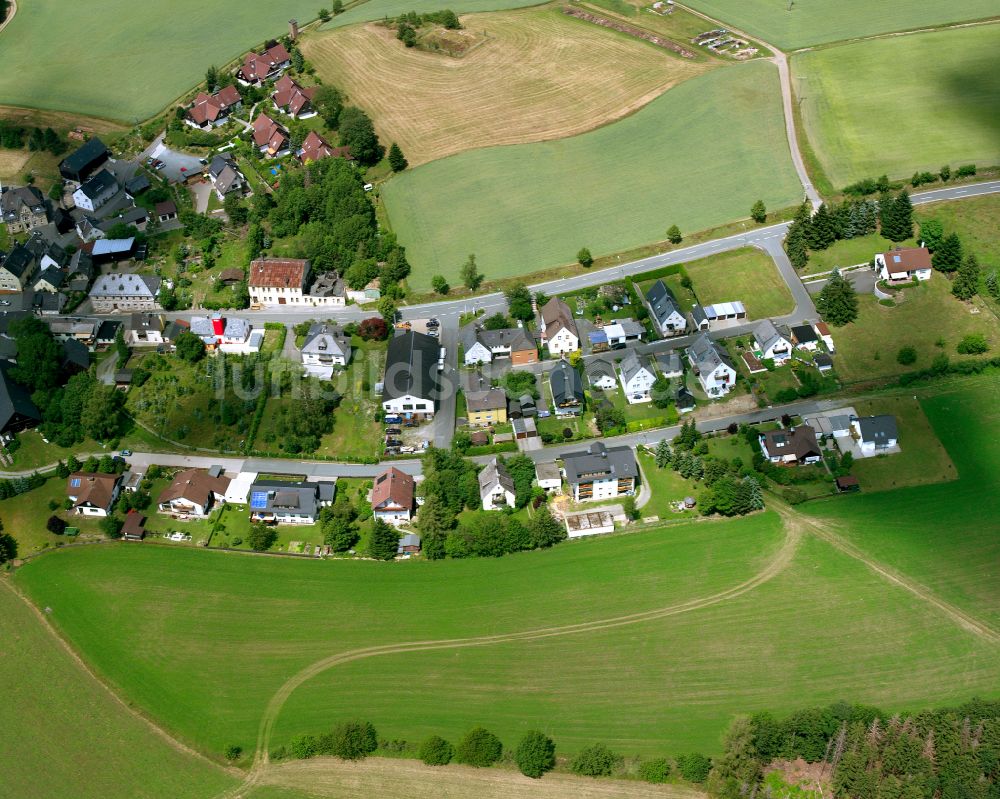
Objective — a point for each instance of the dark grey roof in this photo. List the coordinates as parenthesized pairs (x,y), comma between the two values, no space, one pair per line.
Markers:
(878,429)
(631,365)
(75,353)
(599,367)
(600,462)
(566,384)
(14,402)
(662,302)
(78,161)
(517,338)
(81,262)
(804,333)
(411,366)
(19,261)
(491,400)
(698,314)
(137,185)
(108,330)
(766,334)
(102,182)
(53,276)
(823,361)
(495,473)
(219,163)
(526,401)
(301,498)
(227,179)
(669,362)
(683,398)
(707,355)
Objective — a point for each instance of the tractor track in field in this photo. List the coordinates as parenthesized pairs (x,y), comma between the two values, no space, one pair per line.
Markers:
(781,560)
(967,622)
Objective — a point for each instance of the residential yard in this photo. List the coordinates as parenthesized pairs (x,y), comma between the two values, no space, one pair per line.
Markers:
(522,209)
(668,488)
(729,447)
(25,516)
(944,79)
(929,315)
(34,453)
(850,252)
(923,459)
(748,275)
(581,426)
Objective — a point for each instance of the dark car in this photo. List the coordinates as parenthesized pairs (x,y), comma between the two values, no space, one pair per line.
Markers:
(393,442)
(409,424)
(394,431)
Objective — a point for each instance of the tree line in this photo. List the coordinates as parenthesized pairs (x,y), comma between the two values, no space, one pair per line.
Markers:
(12,136)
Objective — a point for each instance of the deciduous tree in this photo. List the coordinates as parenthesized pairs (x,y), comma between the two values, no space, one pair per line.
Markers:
(471,276)
(535,754)
(758,212)
(584,258)
(479,747)
(674,235)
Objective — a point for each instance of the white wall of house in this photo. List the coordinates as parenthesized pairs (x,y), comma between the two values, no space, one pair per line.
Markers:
(780,350)
(605,383)
(498,498)
(395,516)
(603,489)
(477,353)
(718,382)
(409,404)
(563,342)
(637,389)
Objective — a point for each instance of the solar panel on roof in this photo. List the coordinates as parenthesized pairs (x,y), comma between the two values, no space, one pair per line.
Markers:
(258,500)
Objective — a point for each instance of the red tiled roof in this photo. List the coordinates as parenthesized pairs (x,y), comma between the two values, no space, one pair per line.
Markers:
(290,97)
(910,259)
(258,66)
(278,273)
(394,488)
(315,147)
(209,107)
(269,134)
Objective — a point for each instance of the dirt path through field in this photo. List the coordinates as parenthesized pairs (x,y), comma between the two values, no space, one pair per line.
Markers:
(782,558)
(395,778)
(824,532)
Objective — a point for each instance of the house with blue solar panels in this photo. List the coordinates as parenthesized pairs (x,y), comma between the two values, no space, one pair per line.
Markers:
(286,502)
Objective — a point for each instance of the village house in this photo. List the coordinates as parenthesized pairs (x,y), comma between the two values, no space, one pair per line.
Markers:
(559,331)
(50,279)
(225,175)
(137,185)
(772,343)
(270,138)
(621,331)
(125,292)
(260,67)
(23,209)
(874,434)
(75,356)
(409,544)
(283,281)
(601,472)
(133,528)
(707,317)
(93,494)
(601,374)
(83,161)
(17,270)
(670,364)
(17,411)
(325,347)
(194,492)
(315,148)
(665,310)
(290,98)
(903,265)
(165,211)
(548,476)
(410,387)
(496,486)
(212,110)
(637,378)
(712,366)
(804,337)
(567,390)
(96,192)
(482,346)
(145,330)
(486,407)
(113,250)
(793,447)
(392,496)
(76,328)
(285,502)
(823,331)
(229,334)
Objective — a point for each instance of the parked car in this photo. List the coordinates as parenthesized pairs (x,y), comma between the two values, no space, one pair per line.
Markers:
(393,442)
(409,424)
(433,322)
(393,419)
(394,431)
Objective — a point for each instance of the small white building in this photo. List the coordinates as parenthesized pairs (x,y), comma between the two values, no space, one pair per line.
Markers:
(496,486)
(392,496)
(548,476)
(771,342)
(622,331)
(637,378)
(903,265)
(96,192)
(875,435)
(601,374)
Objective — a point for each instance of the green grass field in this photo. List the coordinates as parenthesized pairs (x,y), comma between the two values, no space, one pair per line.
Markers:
(378,9)
(747,274)
(903,104)
(526,207)
(943,535)
(124,607)
(928,316)
(818,21)
(124,60)
(65,735)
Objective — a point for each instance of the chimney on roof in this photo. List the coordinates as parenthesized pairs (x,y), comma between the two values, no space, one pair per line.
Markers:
(293,29)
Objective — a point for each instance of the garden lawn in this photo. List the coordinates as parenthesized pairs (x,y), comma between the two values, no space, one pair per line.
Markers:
(923,459)
(65,735)
(899,105)
(124,78)
(945,535)
(817,21)
(25,517)
(748,275)
(849,252)
(34,453)
(667,487)
(867,347)
(245,624)
(528,207)
(975,221)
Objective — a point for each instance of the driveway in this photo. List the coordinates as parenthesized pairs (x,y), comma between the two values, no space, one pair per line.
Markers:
(179,166)
(201,192)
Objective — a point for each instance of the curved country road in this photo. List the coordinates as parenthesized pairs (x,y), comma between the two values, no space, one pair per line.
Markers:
(782,558)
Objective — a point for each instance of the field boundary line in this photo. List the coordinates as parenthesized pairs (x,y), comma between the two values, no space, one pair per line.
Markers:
(891,34)
(964,620)
(777,564)
(170,740)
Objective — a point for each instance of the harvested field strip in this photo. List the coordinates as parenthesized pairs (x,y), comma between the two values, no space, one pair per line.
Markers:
(630,30)
(526,208)
(538,75)
(380,9)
